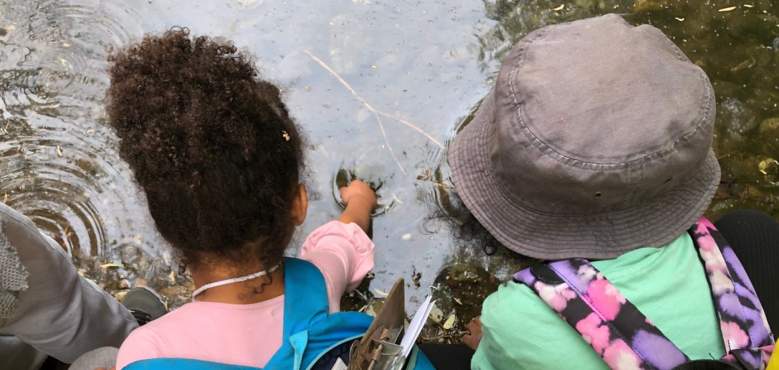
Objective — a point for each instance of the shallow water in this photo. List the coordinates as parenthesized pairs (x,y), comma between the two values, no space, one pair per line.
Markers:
(379,88)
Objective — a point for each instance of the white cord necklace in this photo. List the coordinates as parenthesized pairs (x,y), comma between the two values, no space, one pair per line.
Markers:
(232,281)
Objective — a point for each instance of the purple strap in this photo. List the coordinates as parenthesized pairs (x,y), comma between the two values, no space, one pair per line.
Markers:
(745,330)
(619,333)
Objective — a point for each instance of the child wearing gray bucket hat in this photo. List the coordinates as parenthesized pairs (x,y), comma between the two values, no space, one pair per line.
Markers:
(596,144)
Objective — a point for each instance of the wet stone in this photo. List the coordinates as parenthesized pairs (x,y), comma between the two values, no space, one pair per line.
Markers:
(765,57)
(752,192)
(744,24)
(740,168)
(770,125)
(769,135)
(130,255)
(459,290)
(725,88)
(738,120)
(653,5)
(769,167)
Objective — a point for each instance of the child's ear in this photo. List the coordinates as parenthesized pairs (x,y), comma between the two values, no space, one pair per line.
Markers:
(300,205)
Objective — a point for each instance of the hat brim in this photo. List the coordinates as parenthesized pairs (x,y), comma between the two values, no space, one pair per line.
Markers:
(551,235)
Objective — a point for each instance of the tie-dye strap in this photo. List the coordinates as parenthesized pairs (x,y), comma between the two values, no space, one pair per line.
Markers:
(618,332)
(745,331)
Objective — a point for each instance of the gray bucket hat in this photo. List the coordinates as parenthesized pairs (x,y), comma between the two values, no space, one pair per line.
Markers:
(595,140)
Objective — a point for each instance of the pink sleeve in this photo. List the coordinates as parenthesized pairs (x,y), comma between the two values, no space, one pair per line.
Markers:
(343,253)
(140,345)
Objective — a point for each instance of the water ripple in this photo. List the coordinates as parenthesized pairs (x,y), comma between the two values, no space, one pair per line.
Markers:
(58,162)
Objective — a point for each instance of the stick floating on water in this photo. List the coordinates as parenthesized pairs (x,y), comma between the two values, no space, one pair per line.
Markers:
(386,142)
(376,112)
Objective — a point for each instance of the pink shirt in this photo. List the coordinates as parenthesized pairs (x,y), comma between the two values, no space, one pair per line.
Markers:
(250,334)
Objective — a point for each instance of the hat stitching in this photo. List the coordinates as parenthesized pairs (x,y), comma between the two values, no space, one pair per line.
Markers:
(518,200)
(521,201)
(706,104)
(652,240)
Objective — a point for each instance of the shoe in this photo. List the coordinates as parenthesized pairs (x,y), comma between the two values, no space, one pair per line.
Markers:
(144,304)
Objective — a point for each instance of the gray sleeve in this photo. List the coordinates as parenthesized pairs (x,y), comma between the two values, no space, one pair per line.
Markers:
(58,312)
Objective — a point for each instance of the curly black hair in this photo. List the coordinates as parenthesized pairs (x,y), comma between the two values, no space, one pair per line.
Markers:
(211,143)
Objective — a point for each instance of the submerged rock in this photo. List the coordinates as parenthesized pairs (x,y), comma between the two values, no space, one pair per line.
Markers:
(740,168)
(769,135)
(459,290)
(769,167)
(736,121)
(652,5)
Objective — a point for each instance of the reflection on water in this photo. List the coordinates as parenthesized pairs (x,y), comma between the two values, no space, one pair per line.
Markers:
(379,88)
(58,162)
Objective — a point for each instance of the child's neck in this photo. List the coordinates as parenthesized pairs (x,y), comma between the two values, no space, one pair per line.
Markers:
(246,292)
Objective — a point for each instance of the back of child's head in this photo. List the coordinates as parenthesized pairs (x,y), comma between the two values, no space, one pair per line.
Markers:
(212,145)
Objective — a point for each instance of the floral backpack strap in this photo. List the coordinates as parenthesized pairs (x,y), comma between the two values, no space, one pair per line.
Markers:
(745,330)
(618,332)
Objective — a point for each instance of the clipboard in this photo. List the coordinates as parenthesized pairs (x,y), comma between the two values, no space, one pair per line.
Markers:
(387,343)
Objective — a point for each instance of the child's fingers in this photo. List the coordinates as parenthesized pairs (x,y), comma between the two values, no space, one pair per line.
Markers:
(472,341)
(358,185)
(474,335)
(356,188)
(475,325)
(342,191)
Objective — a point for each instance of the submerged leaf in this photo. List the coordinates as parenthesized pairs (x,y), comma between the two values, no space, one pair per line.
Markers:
(450,322)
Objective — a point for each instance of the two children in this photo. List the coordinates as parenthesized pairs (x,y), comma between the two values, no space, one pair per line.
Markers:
(608,159)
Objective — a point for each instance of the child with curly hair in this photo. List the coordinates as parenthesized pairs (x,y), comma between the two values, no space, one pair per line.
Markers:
(220,159)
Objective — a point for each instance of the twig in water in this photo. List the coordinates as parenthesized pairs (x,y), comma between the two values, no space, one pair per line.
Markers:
(386,141)
(412,126)
(377,113)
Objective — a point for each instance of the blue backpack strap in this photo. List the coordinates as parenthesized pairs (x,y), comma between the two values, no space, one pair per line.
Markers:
(417,360)
(305,296)
(595,308)
(182,364)
(745,330)
(309,330)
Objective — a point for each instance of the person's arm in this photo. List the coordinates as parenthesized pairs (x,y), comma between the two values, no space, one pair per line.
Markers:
(341,249)
(57,312)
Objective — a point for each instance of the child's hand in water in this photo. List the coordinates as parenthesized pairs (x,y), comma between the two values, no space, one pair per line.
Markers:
(359,191)
(360,201)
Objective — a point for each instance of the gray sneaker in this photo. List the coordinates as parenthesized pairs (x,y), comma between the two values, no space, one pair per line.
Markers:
(145,304)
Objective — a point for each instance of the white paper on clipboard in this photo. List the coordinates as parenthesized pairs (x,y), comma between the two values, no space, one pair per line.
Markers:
(415,327)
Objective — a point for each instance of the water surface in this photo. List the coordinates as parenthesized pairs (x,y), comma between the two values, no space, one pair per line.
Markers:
(379,88)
